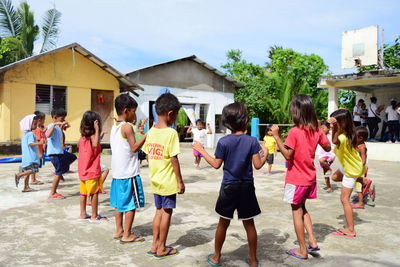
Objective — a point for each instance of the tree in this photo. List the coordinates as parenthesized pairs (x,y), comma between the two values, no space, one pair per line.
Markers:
(20,24)
(11,50)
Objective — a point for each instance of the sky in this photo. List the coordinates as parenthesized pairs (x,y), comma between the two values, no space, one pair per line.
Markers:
(131,34)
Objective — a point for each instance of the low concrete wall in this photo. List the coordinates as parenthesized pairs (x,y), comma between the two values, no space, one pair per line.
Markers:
(383,151)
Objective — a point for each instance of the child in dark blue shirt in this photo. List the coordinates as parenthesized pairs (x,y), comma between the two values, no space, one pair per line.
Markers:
(238,151)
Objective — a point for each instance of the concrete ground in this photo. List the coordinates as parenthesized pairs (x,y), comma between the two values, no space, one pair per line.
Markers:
(37,231)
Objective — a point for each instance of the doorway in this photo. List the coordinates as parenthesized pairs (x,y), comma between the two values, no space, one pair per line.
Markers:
(102,102)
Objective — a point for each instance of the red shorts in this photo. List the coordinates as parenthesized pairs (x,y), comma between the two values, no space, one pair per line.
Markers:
(197,154)
(295,194)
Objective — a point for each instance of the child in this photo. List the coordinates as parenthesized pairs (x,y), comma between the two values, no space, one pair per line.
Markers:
(126,194)
(326,158)
(30,154)
(199,135)
(60,159)
(301,182)
(139,135)
(40,135)
(270,143)
(362,136)
(89,164)
(344,138)
(162,148)
(238,151)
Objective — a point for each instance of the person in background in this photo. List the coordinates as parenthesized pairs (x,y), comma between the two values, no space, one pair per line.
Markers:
(326,158)
(357,113)
(139,134)
(199,135)
(40,135)
(393,121)
(270,143)
(373,118)
(364,116)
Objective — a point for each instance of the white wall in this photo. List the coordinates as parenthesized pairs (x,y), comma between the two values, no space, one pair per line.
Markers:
(215,100)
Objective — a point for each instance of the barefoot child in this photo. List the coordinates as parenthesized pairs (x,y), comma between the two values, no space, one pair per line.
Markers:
(40,135)
(270,143)
(126,194)
(344,138)
(89,164)
(362,136)
(162,148)
(301,183)
(237,151)
(199,135)
(60,159)
(30,154)
(326,158)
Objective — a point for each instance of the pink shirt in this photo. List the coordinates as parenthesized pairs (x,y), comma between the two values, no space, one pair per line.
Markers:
(88,160)
(301,169)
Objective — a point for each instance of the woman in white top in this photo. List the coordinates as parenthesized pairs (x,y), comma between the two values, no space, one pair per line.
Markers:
(373,113)
(357,113)
(393,121)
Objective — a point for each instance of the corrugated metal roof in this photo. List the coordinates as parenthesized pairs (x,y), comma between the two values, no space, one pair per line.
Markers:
(123,81)
(199,61)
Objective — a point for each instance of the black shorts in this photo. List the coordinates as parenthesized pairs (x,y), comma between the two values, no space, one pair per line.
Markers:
(34,167)
(61,162)
(240,197)
(270,159)
(141,155)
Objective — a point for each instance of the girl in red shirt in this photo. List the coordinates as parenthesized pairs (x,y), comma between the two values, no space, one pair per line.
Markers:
(300,183)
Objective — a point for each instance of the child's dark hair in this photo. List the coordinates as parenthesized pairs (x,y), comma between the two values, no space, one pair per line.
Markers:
(59,112)
(199,121)
(326,123)
(124,101)
(345,122)
(39,114)
(362,132)
(87,123)
(167,102)
(235,117)
(269,126)
(303,112)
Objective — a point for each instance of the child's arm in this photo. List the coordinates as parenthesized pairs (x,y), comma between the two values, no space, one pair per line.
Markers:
(144,122)
(258,161)
(41,142)
(209,129)
(95,137)
(177,170)
(286,152)
(276,149)
(335,133)
(102,135)
(214,162)
(189,130)
(363,154)
(128,133)
(50,131)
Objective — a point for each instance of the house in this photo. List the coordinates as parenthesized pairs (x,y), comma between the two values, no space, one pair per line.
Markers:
(69,77)
(197,85)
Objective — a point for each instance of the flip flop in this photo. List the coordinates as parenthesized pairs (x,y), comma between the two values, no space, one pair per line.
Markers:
(356,206)
(84,219)
(135,240)
(150,254)
(16,180)
(291,253)
(367,187)
(311,249)
(37,182)
(247,260)
(169,254)
(99,219)
(212,263)
(29,190)
(338,232)
(56,196)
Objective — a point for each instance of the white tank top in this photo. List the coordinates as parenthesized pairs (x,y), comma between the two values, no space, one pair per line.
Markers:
(124,162)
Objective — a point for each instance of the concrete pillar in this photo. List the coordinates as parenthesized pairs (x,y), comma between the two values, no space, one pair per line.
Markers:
(332,100)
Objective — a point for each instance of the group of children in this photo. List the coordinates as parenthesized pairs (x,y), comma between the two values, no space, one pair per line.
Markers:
(238,153)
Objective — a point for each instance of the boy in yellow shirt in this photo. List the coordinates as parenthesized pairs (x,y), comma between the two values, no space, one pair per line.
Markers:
(270,143)
(162,149)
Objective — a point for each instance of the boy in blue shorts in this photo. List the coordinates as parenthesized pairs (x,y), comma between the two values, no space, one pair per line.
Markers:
(126,192)
(162,149)
(60,159)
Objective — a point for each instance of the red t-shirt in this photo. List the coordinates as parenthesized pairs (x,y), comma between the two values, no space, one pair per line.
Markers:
(88,160)
(301,169)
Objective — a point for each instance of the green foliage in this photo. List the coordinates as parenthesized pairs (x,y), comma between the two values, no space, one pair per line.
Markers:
(29,31)
(11,50)
(347,99)
(182,118)
(50,30)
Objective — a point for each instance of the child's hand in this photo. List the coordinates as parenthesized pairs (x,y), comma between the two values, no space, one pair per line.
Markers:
(275,131)
(96,125)
(181,188)
(41,142)
(332,121)
(283,135)
(197,146)
(191,125)
(208,125)
(265,150)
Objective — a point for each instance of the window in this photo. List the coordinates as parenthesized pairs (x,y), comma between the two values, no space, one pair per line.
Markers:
(203,112)
(218,124)
(50,97)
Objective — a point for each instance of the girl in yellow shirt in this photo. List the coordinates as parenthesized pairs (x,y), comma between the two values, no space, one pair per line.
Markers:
(344,138)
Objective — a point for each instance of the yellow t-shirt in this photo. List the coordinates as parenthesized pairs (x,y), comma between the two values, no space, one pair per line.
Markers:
(349,158)
(270,143)
(160,146)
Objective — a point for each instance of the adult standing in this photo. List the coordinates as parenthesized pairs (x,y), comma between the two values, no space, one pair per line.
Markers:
(373,119)
(357,113)
(393,121)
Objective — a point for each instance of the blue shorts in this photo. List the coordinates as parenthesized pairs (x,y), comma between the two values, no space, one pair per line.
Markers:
(165,202)
(127,194)
(61,162)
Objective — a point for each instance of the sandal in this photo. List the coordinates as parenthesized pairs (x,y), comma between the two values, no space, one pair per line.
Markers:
(169,254)
(291,253)
(339,232)
(135,240)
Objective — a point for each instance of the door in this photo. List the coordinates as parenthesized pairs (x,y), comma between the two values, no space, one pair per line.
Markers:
(102,102)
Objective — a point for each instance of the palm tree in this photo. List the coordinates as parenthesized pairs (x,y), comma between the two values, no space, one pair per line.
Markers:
(20,24)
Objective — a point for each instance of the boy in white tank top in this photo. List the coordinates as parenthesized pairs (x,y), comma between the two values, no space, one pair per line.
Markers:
(126,192)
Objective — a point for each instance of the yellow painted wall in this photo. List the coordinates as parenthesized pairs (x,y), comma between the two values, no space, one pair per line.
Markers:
(18,89)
